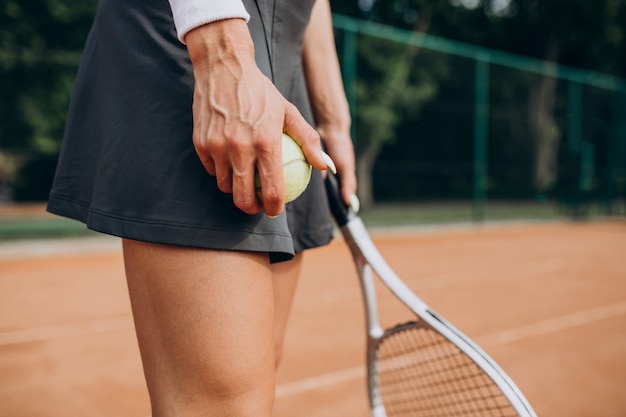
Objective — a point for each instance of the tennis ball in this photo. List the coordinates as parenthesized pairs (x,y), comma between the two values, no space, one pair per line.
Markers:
(296,169)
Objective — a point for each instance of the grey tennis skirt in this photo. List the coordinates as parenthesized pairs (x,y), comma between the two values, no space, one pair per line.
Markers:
(128,167)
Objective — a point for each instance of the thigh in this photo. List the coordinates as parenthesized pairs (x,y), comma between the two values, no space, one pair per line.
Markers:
(204,321)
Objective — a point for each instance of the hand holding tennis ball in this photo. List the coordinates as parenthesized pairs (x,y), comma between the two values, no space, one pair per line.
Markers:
(296,169)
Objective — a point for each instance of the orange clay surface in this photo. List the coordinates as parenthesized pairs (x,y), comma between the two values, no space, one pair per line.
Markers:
(547,301)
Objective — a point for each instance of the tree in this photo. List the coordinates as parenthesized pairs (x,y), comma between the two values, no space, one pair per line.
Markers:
(40,45)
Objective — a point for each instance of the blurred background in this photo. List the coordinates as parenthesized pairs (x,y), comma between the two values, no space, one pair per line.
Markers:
(472,109)
(464,112)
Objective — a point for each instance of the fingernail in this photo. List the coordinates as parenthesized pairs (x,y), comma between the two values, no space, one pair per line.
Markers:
(273,217)
(329,162)
(355,203)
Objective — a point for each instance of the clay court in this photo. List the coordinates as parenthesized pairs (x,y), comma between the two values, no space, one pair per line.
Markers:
(546,300)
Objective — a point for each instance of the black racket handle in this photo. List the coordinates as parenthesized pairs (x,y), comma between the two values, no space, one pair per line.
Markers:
(340,211)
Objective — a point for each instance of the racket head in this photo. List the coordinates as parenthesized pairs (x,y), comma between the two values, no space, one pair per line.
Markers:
(420,372)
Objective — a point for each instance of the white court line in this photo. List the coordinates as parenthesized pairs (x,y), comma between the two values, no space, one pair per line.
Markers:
(39,334)
(503,337)
(309,384)
(553,325)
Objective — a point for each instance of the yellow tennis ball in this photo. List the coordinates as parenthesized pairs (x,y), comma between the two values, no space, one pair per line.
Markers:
(296,169)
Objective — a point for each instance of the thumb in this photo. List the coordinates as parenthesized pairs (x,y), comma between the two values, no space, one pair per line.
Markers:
(309,140)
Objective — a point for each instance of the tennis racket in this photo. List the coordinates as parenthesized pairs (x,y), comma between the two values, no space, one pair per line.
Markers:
(424,367)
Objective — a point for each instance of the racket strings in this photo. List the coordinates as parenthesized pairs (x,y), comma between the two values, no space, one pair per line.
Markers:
(421,373)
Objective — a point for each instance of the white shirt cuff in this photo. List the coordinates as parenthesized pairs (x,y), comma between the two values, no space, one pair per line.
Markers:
(189,14)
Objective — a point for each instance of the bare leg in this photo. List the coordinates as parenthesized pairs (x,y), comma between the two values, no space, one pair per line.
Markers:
(285,277)
(205,326)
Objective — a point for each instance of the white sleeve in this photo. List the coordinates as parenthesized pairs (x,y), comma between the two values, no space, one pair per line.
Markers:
(189,14)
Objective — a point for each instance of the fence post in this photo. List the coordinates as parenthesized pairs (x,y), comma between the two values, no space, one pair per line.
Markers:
(349,71)
(616,167)
(481,136)
(574,116)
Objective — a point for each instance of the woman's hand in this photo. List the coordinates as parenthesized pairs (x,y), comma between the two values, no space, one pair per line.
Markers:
(239,117)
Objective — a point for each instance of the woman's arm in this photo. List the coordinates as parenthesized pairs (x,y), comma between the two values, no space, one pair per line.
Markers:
(327,95)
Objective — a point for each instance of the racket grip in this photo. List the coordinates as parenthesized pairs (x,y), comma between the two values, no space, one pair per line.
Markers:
(340,211)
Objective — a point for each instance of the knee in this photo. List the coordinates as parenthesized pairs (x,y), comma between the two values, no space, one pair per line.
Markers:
(221,398)
(245,400)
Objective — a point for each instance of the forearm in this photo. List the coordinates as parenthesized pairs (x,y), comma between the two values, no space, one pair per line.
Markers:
(323,74)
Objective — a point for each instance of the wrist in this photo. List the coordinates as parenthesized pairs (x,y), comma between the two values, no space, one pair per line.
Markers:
(336,131)
(219,40)
(190,14)
(333,121)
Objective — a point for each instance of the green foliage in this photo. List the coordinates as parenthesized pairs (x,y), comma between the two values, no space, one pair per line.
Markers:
(40,42)
(40,45)
(592,34)
(395,84)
